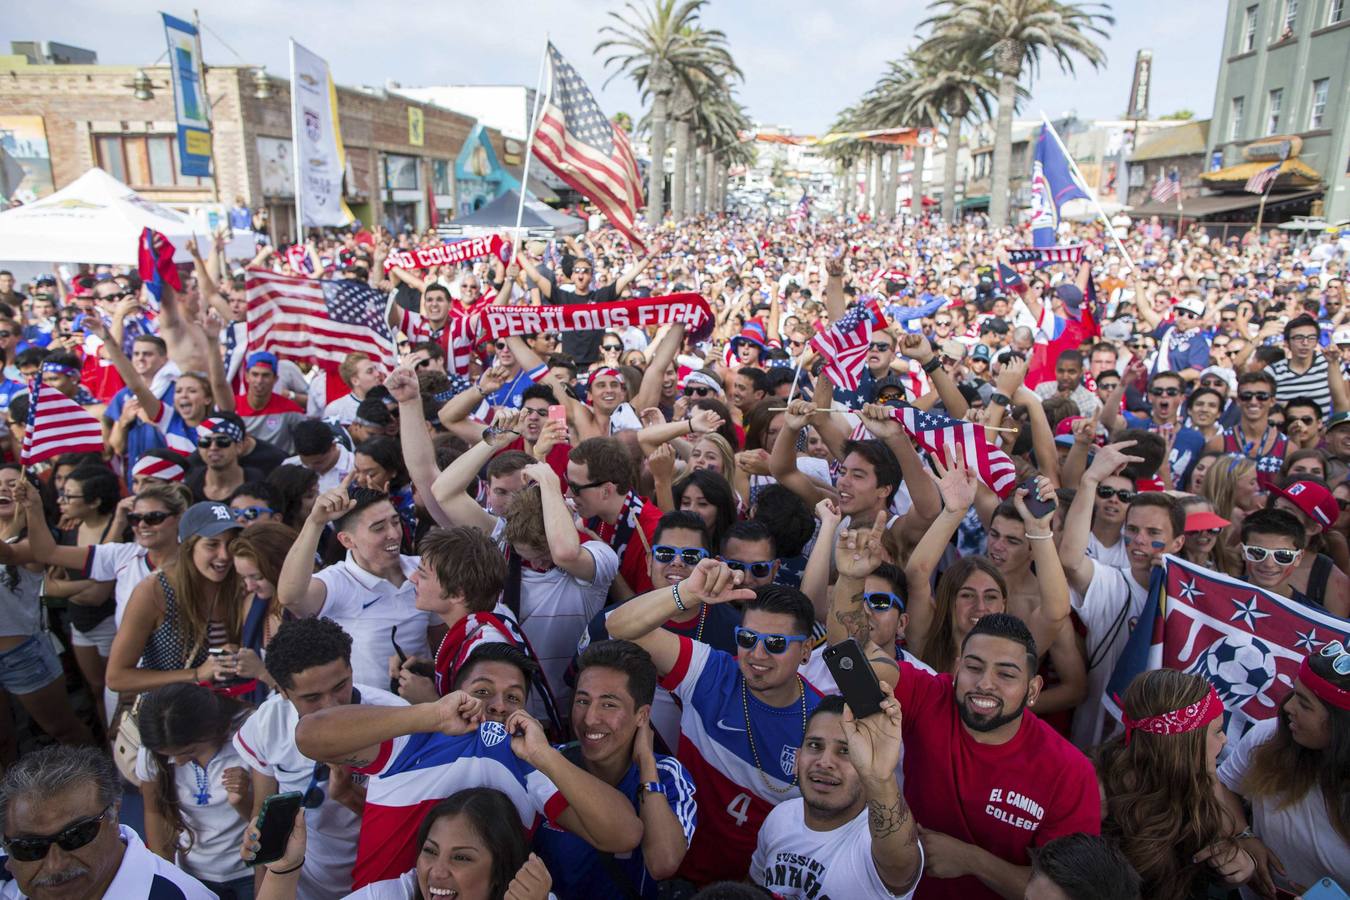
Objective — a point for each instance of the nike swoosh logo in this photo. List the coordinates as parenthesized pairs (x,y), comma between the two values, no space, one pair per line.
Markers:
(370,604)
(725,727)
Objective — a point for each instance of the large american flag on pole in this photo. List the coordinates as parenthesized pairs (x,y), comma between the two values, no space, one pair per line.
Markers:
(1246,641)
(1166,187)
(844,346)
(940,435)
(312,319)
(57,425)
(585,149)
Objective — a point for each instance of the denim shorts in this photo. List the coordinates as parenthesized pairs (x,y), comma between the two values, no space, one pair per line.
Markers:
(30,667)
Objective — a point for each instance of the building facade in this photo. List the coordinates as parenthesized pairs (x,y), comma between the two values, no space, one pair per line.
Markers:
(400,152)
(1285,72)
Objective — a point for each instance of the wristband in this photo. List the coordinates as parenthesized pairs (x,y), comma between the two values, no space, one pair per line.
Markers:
(295,868)
(931,366)
(1040,537)
(679,604)
(655,787)
(1000,399)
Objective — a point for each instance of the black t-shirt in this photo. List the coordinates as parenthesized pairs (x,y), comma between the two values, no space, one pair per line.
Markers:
(264,457)
(582,346)
(196,482)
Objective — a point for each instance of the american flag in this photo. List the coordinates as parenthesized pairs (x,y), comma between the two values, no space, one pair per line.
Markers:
(800,213)
(1245,641)
(586,150)
(1166,187)
(309,319)
(1258,183)
(844,347)
(937,433)
(57,425)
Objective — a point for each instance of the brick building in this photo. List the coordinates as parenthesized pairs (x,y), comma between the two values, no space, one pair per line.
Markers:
(400,152)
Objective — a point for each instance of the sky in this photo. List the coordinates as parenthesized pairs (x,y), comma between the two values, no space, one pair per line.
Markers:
(802,61)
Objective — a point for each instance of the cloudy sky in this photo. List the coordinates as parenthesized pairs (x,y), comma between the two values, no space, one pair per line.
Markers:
(802,61)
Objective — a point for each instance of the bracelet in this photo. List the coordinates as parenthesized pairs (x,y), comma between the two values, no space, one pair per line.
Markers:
(1244,834)
(679,604)
(1000,399)
(295,868)
(1040,537)
(931,366)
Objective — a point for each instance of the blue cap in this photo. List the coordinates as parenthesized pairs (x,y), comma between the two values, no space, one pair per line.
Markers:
(264,357)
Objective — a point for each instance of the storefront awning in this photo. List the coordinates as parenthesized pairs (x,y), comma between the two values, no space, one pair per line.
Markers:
(1294,173)
(979,202)
(1215,204)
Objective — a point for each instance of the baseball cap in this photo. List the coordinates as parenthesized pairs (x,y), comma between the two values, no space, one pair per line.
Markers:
(261,357)
(954,349)
(1342,336)
(995,325)
(980,351)
(1194,305)
(1117,330)
(1340,418)
(1314,499)
(206,519)
(1204,520)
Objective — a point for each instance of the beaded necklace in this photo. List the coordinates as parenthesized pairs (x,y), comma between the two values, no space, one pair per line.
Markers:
(203,787)
(750,735)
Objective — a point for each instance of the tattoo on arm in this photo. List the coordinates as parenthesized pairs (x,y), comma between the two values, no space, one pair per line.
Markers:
(354,761)
(885,819)
(856,623)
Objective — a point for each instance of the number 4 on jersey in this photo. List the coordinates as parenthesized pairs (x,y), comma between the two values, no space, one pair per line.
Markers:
(739,807)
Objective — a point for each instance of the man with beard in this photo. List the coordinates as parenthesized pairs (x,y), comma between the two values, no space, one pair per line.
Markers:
(850,834)
(987,779)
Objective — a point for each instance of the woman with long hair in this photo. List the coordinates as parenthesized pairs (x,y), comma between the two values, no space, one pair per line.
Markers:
(1160,789)
(196,787)
(1231,485)
(299,488)
(1294,771)
(185,624)
(259,553)
(708,495)
(1203,528)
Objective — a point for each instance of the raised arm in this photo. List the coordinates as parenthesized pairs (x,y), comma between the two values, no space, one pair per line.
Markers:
(874,748)
(564,545)
(927,503)
(298,590)
(693,426)
(638,267)
(1042,438)
(1078,521)
(1111,405)
(351,735)
(451,485)
(835,300)
(1052,611)
(957,486)
(649,392)
(130,377)
(215,365)
(918,348)
(783,457)
(418,453)
(816,576)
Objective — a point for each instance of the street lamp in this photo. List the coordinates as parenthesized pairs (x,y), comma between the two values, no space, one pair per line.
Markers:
(262,86)
(141,85)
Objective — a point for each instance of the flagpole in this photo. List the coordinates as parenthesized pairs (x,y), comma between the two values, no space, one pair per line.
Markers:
(539,103)
(1092,195)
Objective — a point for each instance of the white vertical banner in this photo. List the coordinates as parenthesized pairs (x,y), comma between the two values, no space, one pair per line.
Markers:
(318,155)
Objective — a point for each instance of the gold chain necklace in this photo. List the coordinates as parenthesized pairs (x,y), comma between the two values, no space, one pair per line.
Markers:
(750,736)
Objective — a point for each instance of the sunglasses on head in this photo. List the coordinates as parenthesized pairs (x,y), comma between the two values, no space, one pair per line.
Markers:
(690,556)
(251,513)
(756,569)
(1335,650)
(150,518)
(220,443)
(776,644)
(881,601)
(1106,493)
(1283,556)
(692,391)
(1248,396)
(74,836)
(1165,392)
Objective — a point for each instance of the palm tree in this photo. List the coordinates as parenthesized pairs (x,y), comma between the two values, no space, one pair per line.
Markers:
(1014,33)
(956,88)
(847,153)
(651,44)
(890,104)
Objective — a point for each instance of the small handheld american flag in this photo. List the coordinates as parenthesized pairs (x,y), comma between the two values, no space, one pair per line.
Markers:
(844,346)
(937,433)
(1258,183)
(57,425)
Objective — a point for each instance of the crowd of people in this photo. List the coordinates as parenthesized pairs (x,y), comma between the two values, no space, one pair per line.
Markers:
(560,614)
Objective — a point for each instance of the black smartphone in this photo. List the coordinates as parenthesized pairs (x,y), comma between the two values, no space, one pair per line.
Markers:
(402,658)
(854,675)
(275,820)
(1035,505)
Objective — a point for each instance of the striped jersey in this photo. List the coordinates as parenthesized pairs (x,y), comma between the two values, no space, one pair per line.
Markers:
(735,794)
(1312,383)
(414,772)
(458,335)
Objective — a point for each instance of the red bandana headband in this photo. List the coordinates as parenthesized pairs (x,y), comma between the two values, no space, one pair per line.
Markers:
(1178,721)
(1325,690)
(602,371)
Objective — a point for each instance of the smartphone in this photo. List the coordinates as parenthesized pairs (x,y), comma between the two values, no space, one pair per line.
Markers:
(275,820)
(854,675)
(1325,889)
(1035,505)
(557,413)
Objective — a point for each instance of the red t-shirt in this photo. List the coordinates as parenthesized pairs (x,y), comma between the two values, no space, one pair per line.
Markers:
(634,566)
(1005,798)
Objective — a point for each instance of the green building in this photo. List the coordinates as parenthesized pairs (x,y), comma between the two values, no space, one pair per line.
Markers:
(1285,75)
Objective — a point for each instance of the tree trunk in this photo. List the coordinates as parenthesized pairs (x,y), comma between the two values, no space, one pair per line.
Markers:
(949,169)
(916,182)
(709,180)
(677,180)
(998,190)
(887,179)
(656,176)
(893,194)
(723,176)
(691,178)
(865,201)
(878,184)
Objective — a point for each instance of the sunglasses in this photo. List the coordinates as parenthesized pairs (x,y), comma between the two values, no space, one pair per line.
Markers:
(612,348)
(942,323)
(251,513)
(314,793)
(889,397)
(581,271)
(1228,320)
(880,347)
(1283,557)
(881,601)
(776,644)
(1106,493)
(1248,396)
(756,569)
(1165,392)
(220,443)
(690,556)
(1336,650)
(501,345)
(72,837)
(539,412)
(699,392)
(1306,420)
(6,334)
(1107,386)
(150,518)
(1212,531)
(791,343)
(1211,382)
(578,488)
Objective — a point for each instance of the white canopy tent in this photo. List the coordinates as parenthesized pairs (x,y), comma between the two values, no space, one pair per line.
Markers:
(94,219)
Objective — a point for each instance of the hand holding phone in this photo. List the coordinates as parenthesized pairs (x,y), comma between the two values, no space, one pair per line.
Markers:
(275,821)
(557,413)
(1035,505)
(854,675)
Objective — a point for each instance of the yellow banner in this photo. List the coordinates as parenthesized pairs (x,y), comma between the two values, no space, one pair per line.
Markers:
(416,134)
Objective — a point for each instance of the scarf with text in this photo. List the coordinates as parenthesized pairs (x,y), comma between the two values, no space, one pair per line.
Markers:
(644,312)
(1046,255)
(449,254)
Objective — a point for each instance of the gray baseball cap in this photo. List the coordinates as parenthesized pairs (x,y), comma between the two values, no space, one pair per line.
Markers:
(207,519)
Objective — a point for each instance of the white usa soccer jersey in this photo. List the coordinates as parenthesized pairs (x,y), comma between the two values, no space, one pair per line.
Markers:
(734,795)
